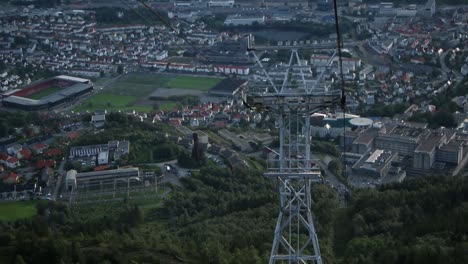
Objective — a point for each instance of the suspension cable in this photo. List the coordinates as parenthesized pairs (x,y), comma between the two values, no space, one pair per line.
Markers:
(343,96)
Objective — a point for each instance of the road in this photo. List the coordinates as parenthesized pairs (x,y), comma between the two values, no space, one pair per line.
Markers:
(58,184)
(446,70)
(330,175)
(442,62)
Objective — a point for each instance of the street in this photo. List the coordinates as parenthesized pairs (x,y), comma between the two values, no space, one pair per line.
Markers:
(58,185)
(331,177)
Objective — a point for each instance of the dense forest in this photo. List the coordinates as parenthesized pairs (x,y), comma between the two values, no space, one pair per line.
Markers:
(228,216)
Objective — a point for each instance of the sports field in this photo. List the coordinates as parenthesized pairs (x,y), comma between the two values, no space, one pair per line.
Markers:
(196,83)
(112,102)
(132,92)
(17,210)
(45,92)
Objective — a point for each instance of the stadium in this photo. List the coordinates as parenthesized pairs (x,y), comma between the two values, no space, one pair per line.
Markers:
(48,93)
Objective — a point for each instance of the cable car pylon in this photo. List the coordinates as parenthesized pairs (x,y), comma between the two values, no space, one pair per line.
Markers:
(292,100)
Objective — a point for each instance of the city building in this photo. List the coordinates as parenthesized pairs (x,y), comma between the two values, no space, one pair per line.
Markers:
(115,149)
(430,8)
(239,20)
(375,163)
(322,125)
(98,120)
(220,3)
(103,157)
(424,146)
(325,5)
(70,179)
(387,9)
(286,3)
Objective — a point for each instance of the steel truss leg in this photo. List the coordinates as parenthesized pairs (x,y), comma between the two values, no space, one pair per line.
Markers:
(295,238)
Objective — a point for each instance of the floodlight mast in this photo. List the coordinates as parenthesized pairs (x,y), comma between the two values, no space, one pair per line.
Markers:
(292,103)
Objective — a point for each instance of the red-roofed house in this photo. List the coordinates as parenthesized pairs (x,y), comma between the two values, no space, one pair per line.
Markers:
(53,152)
(11,162)
(24,154)
(216,108)
(236,118)
(45,163)
(220,124)
(175,122)
(199,117)
(72,135)
(418,60)
(101,168)
(39,148)
(10,178)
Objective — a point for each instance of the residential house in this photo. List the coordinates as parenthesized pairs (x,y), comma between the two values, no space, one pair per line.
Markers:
(24,154)
(53,152)
(45,163)
(98,121)
(72,135)
(11,178)
(175,122)
(39,148)
(14,149)
(9,161)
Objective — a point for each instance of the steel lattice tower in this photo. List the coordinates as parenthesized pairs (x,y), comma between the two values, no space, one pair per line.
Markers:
(292,102)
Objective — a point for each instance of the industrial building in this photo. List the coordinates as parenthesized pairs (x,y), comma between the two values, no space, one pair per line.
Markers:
(107,178)
(114,149)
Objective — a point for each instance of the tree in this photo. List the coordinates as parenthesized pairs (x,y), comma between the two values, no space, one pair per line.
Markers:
(120,69)
(3,129)
(335,167)
(442,118)
(19,260)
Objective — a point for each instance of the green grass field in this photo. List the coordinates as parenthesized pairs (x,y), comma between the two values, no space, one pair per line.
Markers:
(169,105)
(112,102)
(45,92)
(17,210)
(126,93)
(196,83)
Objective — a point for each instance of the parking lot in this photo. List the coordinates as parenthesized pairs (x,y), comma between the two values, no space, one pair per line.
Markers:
(216,159)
